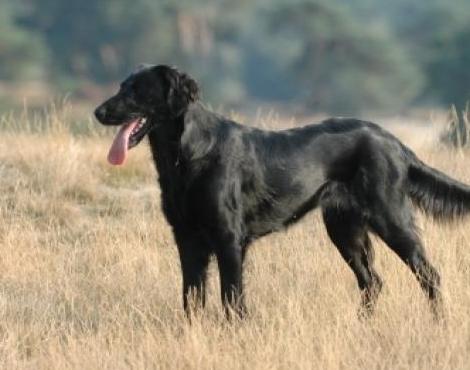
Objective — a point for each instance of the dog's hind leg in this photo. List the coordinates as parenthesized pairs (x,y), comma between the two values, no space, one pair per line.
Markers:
(348,231)
(399,233)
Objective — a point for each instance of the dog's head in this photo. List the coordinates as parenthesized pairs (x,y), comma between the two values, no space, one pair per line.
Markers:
(151,96)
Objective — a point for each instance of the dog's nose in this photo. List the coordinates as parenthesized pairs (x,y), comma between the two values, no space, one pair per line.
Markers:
(100,113)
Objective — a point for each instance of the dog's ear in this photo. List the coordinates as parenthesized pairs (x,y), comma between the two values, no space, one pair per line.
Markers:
(182,90)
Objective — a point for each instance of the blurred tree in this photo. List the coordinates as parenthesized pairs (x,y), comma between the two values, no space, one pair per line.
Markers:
(336,62)
(332,55)
(449,73)
(438,36)
(435,35)
(101,40)
(22,53)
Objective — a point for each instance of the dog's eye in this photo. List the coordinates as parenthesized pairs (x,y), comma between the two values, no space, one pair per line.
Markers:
(127,89)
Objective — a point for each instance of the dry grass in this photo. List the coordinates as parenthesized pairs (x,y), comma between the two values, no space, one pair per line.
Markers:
(89,276)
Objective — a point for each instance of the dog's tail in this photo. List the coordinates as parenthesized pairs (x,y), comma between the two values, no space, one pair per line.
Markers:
(436,193)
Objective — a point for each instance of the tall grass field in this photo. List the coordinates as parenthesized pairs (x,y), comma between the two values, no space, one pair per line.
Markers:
(90,277)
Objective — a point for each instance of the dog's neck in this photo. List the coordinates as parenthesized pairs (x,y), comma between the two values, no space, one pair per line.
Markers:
(175,142)
(165,141)
(188,135)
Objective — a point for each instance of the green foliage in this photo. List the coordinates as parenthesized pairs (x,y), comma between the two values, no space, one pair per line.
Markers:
(330,55)
(435,35)
(22,53)
(338,62)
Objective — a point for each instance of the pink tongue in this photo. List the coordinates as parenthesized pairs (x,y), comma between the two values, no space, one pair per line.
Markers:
(118,151)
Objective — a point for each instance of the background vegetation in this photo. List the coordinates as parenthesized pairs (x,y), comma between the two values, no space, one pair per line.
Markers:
(332,56)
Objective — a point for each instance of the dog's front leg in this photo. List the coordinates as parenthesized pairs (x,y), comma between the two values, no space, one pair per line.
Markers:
(194,258)
(230,261)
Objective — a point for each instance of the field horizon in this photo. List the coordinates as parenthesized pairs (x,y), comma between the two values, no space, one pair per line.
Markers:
(84,244)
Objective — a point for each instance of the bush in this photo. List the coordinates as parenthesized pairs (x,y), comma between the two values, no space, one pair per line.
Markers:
(457,132)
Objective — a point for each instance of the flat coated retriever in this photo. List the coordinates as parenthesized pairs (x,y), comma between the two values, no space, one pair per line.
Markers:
(224,185)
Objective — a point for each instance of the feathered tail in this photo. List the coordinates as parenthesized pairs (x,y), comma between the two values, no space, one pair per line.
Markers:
(436,193)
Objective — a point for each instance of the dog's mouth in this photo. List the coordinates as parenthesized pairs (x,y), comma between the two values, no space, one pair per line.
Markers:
(130,134)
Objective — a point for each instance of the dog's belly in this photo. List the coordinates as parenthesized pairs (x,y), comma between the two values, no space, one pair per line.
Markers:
(275,213)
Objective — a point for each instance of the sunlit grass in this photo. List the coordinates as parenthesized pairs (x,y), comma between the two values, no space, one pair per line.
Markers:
(89,275)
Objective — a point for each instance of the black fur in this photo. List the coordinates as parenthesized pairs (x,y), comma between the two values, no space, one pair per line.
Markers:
(224,185)
(436,193)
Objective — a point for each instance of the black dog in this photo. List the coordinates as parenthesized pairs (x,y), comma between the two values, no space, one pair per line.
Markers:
(224,185)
